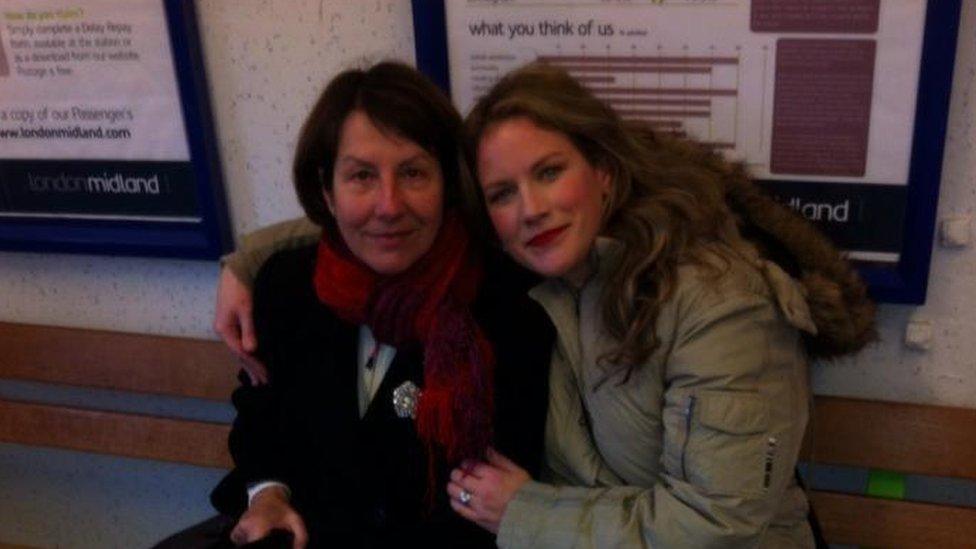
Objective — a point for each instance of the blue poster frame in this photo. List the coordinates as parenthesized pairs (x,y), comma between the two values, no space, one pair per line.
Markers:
(905,282)
(206,238)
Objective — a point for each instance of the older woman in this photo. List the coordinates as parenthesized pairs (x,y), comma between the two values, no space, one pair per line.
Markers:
(394,347)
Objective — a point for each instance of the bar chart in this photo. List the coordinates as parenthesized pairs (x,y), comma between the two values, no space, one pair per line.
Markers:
(678,93)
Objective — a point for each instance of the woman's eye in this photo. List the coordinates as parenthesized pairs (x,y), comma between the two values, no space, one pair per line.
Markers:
(361,175)
(550,173)
(413,173)
(500,196)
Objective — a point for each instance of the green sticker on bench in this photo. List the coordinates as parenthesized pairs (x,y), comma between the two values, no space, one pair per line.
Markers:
(886,484)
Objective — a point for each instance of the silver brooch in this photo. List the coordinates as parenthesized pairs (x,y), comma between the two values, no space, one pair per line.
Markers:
(405,399)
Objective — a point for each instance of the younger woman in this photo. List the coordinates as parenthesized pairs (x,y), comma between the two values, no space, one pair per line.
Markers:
(678,396)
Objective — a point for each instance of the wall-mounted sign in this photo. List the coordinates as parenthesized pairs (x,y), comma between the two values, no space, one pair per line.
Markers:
(106,142)
(839,107)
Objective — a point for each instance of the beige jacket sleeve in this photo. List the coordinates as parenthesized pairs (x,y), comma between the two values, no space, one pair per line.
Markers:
(258,246)
(734,410)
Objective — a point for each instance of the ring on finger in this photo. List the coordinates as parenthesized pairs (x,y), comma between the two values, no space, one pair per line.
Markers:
(464,497)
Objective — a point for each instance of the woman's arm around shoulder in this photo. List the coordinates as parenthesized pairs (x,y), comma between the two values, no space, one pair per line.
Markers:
(233,316)
(257,246)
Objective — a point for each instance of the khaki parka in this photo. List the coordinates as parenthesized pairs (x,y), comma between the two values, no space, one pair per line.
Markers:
(698,447)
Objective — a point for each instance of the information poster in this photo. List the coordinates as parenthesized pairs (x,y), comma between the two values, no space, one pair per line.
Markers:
(800,90)
(91,121)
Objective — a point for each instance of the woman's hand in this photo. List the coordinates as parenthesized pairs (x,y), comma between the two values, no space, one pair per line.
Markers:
(490,485)
(269,510)
(234,323)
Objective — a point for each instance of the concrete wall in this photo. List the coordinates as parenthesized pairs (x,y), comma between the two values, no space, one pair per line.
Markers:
(946,373)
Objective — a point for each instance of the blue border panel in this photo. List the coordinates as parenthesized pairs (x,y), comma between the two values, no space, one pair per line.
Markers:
(909,282)
(430,41)
(188,60)
(905,282)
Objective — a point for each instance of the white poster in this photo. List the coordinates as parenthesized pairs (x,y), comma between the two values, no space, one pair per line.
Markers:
(88,79)
(798,89)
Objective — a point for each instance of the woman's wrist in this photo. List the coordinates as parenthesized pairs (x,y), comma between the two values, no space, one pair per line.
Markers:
(274,492)
(510,527)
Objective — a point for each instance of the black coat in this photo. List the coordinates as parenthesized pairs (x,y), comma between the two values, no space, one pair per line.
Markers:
(362,481)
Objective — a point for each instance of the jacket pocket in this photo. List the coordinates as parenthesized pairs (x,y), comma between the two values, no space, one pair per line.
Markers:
(726,450)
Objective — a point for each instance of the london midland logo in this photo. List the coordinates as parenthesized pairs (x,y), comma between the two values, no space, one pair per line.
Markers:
(104,183)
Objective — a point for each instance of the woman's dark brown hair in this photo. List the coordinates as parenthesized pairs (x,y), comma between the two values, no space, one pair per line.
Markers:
(397,98)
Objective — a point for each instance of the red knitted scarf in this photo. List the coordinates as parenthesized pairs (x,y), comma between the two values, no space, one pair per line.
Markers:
(429,303)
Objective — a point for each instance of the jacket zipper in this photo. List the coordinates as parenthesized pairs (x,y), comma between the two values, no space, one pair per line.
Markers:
(689,411)
(771,444)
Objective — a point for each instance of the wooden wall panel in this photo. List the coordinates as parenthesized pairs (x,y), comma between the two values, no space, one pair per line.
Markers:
(130,435)
(908,438)
(869,522)
(114,360)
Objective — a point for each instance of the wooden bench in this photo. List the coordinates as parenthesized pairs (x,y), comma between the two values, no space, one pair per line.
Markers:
(901,438)
(904,438)
(122,362)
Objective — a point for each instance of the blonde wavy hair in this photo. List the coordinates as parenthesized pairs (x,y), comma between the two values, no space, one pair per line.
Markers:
(673,202)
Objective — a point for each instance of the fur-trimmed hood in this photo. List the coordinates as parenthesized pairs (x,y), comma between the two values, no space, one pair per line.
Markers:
(835,293)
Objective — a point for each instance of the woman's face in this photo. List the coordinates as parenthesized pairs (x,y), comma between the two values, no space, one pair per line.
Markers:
(543,196)
(387,196)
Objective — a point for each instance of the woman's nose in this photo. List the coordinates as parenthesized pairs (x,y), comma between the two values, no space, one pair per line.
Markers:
(534,205)
(390,203)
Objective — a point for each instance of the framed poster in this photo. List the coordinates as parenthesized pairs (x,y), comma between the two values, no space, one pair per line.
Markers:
(106,139)
(838,107)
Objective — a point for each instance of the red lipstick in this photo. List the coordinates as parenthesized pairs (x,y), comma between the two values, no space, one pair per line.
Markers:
(545,237)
